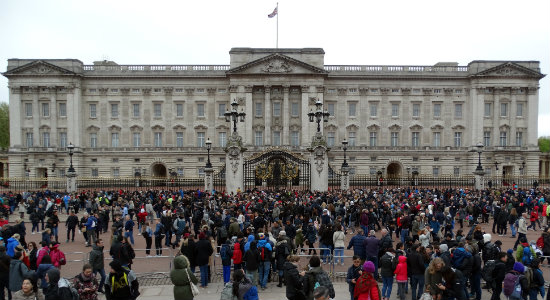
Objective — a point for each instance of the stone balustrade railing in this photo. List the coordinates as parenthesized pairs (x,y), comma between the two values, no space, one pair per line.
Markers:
(395,69)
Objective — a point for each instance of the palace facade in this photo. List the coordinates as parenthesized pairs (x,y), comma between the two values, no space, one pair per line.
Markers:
(155,119)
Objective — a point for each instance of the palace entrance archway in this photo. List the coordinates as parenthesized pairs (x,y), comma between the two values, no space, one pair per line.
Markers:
(158,170)
(277,169)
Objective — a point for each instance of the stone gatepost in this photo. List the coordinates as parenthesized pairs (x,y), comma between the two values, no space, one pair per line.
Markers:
(319,163)
(479,178)
(234,164)
(208,179)
(344,179)
(71,182)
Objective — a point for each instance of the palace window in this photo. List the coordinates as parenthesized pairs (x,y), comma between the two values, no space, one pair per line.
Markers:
(519,110)
(95,172)
(259,138)
(486,138)
(158,139)
(458,111)
(395,139)
(45,139)
(62,109)
(503,139)
(222,139)
(504,109)
(221,109)
(372,138)
(62,139)
(136,112)
(351,138)
(45,109)
(416,110)
(93,110)
(136,139)
(519,138)
(28,109)
(331,138)
(259,109)
(374,109)
(487,110)
(456,171)
(157,107)
(179,139)
(276,109)
(276,138)
(437,139)
(395,110)
(295,138)
(458,139)
(114,110)
(295,109)
(200,139)
(437,110)
(93,140)
(415,139)
(352,109)
(200,110)
(114,139)
(179,110)
(331,109)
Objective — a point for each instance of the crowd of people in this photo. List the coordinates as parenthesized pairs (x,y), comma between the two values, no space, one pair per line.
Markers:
(261,236)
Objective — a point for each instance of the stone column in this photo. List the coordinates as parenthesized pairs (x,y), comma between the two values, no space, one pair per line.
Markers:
(71,182)
(268,115)
(208,179)
(249,110)
(305,119)
(479,178)
(532,117)
(344,179)
(36,109)
(319,163)
(17,111)
(53,116)
(286,115)
(234,160)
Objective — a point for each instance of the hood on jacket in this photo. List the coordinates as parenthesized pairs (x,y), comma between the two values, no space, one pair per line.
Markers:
(97,248)
(402,259)
(250,238)
(486,238)
(53,276)
(237,246)
(264,243)
(181,262)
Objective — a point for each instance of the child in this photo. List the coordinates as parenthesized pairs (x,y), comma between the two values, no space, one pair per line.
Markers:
(401,277)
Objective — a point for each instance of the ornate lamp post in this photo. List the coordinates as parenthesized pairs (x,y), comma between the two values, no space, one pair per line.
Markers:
(345,147)
(234,115)
(319,115)
(208,147)
(479,147)
(70,147)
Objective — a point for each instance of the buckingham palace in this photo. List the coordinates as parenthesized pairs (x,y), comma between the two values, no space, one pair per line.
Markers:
(156,120)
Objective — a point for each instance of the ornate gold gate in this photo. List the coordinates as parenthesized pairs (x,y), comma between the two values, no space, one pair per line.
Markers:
(276,169)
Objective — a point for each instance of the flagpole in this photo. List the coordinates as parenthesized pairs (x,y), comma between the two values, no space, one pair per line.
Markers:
(277,42)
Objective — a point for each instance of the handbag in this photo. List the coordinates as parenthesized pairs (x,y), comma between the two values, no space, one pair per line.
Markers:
(194,289)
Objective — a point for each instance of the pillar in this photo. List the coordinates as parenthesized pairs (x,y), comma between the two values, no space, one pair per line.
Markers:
(344,179)
(268,116)
(208,179)
(319,163)
(234,164)
(286,115)
(71,182)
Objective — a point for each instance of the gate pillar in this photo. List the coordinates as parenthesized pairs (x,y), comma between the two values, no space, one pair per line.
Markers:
(319,163)
(344,180)
(234,162)
(208,179)
(478,176)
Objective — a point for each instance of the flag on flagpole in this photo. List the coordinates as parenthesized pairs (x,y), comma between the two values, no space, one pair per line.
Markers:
(273,14)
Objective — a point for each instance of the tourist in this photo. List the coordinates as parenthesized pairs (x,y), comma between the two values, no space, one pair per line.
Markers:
(4,272)
(70,224)
(159,235)
(264,249)
(338,239)
(225,255)
(293,278)
(358,244)
(43,268)
(400,277)
(58,257)
(188,249)
(434,278)
(86,284)
(388,263)
(242,287)
(317,274)
(182,277)
(366,287)
(29,291)
(33,255)
(282,250)
(498,275)
(127,287)
(129,229)
(354,272)
(203,251)
(147,234)
(18,271)
(97,262)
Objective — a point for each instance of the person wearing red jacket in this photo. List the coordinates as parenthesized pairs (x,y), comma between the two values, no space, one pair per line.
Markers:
(534,218)
(237,256)
(401,276)
(366,286)
(141,216)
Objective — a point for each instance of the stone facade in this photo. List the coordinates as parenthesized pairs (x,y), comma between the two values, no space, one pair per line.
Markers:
(155,119)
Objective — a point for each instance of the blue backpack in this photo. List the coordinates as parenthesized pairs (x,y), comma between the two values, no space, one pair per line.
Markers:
(527,256)
(224,251)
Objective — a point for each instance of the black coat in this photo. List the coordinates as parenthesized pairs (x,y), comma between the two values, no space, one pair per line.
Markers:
(294,282)
(282,250)
(203,250)
(252,259)
(189,251)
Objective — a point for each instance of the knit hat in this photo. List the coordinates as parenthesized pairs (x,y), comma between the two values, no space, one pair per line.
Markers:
(117,266)
(510,251)
(282,232)
(202,236)
(443,247)
(368,267)
(518,267)
(486,238)
(261,235)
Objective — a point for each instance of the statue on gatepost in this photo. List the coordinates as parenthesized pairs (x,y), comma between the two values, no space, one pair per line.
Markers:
(319,163)
(234,163)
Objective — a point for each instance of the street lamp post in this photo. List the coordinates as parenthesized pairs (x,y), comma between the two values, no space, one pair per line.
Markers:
(479,147)
(208,147)
(345,147)
(234,115)
(70,147)
(319,115)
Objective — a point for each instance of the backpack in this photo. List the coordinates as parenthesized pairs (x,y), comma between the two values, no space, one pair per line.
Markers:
(527,256)
(74,292)
(511,286)
(487,272)
(265,254)
(223,232)
(227,292)
(223,252)
(540,242)
(530,280)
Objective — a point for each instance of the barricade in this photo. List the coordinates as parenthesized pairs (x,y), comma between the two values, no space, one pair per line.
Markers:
(143,263)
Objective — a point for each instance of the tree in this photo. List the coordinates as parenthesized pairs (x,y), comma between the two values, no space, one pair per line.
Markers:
(4,125)
(544,144)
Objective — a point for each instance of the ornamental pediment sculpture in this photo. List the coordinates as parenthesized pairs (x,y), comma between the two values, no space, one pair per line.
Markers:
(277,66)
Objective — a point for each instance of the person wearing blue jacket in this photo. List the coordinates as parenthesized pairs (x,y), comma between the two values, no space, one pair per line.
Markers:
(12,243)
(248,241)
(265,249)
(358,244)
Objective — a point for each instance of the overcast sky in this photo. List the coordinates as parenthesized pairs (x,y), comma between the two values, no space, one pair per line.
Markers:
(351,32)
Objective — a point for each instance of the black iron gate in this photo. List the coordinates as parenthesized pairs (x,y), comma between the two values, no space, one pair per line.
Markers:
(219,180)
(277,169)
